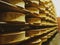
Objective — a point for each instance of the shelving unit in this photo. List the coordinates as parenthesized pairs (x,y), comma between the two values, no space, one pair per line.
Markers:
(27,22)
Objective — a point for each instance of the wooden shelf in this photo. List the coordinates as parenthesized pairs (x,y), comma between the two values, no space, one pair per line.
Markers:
(37,32)
(38,25)
(35,39)
(10,27)
(7,7)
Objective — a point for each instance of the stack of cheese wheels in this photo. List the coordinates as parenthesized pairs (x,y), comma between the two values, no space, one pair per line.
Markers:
(12,16)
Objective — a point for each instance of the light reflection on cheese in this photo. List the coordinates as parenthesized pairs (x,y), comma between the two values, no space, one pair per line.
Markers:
(21,4)
(35,1)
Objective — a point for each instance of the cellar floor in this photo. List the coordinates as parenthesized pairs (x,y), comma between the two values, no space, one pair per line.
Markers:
(56,40)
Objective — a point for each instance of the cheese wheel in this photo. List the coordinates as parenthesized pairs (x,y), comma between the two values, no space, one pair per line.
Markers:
(13,16)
